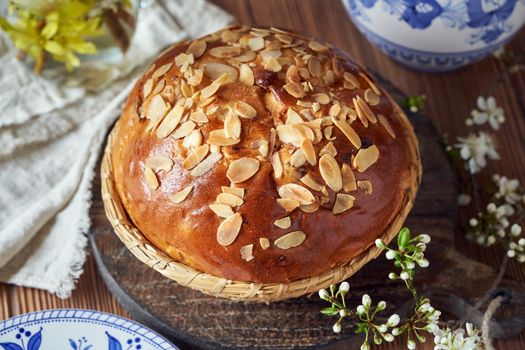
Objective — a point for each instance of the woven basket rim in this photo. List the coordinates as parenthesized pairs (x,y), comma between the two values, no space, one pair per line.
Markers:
(187,276)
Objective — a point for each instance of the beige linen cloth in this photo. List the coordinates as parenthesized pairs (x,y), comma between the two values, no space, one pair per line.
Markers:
(51,132)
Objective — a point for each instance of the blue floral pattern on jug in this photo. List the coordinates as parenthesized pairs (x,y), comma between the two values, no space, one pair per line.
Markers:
(488,23)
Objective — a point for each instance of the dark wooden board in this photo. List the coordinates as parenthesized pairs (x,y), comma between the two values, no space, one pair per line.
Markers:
(192,319)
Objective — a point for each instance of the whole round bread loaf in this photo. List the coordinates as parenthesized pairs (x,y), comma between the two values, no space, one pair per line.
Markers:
(261,155)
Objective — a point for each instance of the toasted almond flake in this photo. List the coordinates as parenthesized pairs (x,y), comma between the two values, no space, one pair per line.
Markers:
(294,89)
(371,97)
(193,139)
(157,163)
(309,151)
(206,165)
(195,157)
(185,88)
(292,117)
(246,75)
(317,46)
(290,135)
(244,110)
(199,116)
(162,70)
(171,121)
(288,204)
(256,43)
(184,129)
(349,183)
(158,88)
(327,132)
(329,148)
(297,192)
(215,70)
(229,199)
(151,179)
(232,126)
(184,59)
(290,240)
(215,149)
(147,88)
(364,112)
(334,110)
(372,85)
(283,223)
(343,202)
(329,77)
(285,39)
(277,165)
(230,36)
(245,56)
(309,181)
(196,78)
(229,229)
(264,242)
(348,131)
(225,51)
(386,124)
(239,192)
(263,148)
(242,169)
(365,158)
(314,66)
(273,65)
(365,186)
(292,75)
(351,80)
(298,159)
(330,172)
(156,108)
(247,252)
(273,136)
(197,48)
(310,208)
(180,196)
(217,137)
(323,99)
(210,90)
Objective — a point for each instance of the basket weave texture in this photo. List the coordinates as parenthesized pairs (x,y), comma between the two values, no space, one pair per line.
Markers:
(149,254)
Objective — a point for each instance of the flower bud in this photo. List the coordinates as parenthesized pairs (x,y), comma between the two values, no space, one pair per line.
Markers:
(337,327)
(511,253)
(380,244)
(424,238)
(515,230)
(423,262)
(365,346)
(393,276)
(396,331)
(366,301)
(361,310)
(390,255)
(473,222)
(344,287)
(411,345)
(404,276)
(393,320)
(323,294)
(388,337)
(382,328)
(381,306)
(343,313)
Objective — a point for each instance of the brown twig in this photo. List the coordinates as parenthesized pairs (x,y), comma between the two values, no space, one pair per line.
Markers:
(117,31)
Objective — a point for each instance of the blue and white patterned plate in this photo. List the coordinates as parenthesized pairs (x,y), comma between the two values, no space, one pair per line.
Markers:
(75,329)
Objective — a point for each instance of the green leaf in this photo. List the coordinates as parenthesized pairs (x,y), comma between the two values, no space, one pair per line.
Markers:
(330,311)
(403,238)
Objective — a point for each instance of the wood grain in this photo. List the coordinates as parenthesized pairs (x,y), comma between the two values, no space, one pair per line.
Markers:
(450,99)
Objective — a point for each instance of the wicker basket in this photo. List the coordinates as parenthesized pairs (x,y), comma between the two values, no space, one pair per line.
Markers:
(146,252)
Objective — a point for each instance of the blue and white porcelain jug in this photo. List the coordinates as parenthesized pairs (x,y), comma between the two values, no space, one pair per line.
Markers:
(437,35)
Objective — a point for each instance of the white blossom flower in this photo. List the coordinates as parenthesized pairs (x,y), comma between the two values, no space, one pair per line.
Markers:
(474,149)
(337,327)
(424,238)
(404,276)
(390,255)
(487,112)
(366,301)
(508,189)
(515,230)
(459,339)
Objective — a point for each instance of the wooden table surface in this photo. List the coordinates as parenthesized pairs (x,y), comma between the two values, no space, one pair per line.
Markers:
(450,98)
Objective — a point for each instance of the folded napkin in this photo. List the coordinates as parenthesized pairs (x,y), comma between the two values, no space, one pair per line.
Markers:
(51,132)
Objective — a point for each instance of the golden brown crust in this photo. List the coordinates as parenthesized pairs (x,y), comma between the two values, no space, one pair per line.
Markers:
(164,189)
